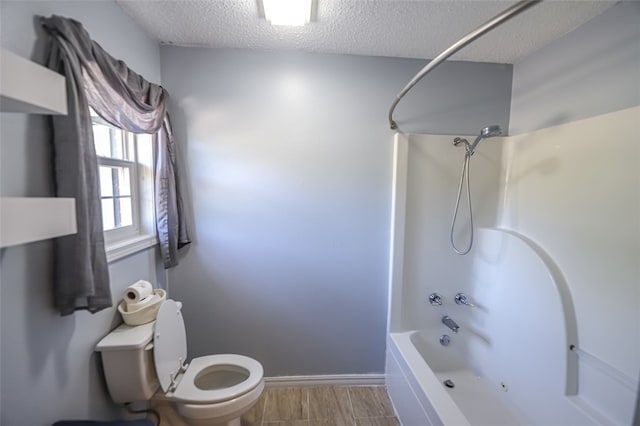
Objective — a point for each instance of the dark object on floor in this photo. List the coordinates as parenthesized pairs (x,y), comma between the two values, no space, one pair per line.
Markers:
(143,422)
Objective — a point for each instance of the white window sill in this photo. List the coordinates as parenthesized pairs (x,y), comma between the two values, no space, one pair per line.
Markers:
(119,249)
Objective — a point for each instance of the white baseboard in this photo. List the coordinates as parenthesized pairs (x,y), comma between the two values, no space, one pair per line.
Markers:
(325,380)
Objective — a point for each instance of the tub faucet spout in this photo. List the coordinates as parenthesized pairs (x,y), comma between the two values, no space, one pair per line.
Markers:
(450,323)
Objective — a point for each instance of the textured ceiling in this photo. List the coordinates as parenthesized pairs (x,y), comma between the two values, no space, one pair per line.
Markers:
(409,29)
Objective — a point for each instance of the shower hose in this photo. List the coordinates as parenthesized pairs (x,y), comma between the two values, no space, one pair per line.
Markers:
(464,176)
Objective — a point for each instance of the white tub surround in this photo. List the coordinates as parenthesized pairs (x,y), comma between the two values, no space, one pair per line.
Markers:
(574,189)
(507,362)
(557,215)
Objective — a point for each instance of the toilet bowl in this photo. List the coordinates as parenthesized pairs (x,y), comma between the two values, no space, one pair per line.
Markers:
(149,362)
(217,389)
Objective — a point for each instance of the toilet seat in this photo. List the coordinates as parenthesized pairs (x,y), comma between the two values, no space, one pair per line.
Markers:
(239,375)
(206,380)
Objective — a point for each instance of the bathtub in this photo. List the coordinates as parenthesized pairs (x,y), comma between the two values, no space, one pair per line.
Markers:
(417,367)
(510,362)
(417,390)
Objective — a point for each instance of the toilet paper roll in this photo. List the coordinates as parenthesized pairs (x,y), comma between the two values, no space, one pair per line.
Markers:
(138,291)
(136,306)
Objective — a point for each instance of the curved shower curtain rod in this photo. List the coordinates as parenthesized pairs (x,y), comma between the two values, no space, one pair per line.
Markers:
(484,28)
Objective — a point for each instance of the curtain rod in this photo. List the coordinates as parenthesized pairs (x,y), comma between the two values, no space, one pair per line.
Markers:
(484,28)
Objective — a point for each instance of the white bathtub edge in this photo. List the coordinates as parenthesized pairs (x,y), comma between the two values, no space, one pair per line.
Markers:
(407,406)
(439,400)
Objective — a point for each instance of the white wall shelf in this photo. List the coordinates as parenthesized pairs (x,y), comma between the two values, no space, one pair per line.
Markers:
(24,220)
(26,87)
(30,88)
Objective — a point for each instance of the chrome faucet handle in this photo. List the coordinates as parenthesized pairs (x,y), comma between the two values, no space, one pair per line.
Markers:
(461,299)
(435,299)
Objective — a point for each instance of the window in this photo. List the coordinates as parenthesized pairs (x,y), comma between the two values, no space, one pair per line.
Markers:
(126,188)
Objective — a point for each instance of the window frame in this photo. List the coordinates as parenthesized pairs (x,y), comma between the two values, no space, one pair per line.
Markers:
(141,234)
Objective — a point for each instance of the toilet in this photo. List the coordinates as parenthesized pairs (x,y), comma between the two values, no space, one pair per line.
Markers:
(148,361)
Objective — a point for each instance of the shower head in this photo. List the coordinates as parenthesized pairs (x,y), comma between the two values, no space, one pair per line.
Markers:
(491,131)
(487,132)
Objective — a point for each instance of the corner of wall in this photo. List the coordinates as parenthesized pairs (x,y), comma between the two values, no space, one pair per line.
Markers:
(590,71)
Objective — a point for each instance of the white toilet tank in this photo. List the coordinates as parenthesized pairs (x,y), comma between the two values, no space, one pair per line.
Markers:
(127,359)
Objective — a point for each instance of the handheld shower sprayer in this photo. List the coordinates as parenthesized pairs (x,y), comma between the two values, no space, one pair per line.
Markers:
(470,149)
(487,132)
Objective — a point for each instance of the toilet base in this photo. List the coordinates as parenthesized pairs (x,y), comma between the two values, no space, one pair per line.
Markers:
(167,412)
(220,413)
(234,422)
(170,416)
(228,413)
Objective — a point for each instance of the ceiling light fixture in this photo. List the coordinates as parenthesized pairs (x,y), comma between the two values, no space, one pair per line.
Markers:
(287,12)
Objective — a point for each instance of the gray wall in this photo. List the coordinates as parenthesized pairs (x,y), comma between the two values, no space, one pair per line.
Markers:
(288,176)
(590,71)
(49,370)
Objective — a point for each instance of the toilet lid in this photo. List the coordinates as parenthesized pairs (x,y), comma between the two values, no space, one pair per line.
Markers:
(170,343)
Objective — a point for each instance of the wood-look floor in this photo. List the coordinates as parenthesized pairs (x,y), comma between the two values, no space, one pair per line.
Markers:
(323,406)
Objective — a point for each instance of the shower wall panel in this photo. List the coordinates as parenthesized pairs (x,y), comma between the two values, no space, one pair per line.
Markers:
(432,177)
(574,189)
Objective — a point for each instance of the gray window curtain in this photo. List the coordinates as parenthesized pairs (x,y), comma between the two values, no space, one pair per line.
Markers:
(126,100)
